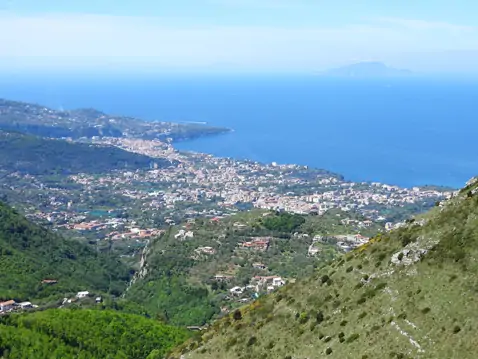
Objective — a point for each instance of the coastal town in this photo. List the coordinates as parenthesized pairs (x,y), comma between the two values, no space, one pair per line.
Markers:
(136,205)
(175,195)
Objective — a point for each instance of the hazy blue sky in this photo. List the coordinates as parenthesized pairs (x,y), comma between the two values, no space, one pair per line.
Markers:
(238,35)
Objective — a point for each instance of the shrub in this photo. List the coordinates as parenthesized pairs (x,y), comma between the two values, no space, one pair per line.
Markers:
(349,269)
(303,318)
(319,317)
(402,316)
(361,300)
(341,335)
(359,266)
(382,256)
(366,277)
(231,342)
(362,315)
(324,279)
(327,339)
(321,336)
(270,345)
(353,338)
(237,315)
(456,329)
(453,277)
(400,256)
(343,323)
(425,310)
(341,339)
(406,240)
(370,293)
(328,351)
(251,341)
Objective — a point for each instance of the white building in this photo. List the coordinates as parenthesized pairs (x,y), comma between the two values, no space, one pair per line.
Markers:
(236,290)
(82,294)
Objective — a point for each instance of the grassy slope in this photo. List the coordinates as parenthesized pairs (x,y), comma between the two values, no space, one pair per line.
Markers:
(30,253)
(364,306)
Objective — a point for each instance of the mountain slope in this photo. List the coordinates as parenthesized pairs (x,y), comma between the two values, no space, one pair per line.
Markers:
(410,293)
(35,155)
(30,254)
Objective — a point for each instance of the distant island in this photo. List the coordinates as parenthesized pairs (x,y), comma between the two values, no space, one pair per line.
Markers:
(367,69)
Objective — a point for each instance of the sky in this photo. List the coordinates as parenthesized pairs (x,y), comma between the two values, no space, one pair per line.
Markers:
(237,35)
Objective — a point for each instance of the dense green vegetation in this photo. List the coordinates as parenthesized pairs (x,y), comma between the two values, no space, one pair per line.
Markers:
(38,156)
(177,282)
(30,254)
(283,222)
(85,334)
(409,293)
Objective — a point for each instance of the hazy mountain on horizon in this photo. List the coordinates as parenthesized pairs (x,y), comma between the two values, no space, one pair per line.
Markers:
(367,69)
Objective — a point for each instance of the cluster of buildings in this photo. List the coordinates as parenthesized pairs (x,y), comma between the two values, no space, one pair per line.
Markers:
(201,185)
(9,306)
(257,285)
(344,243)
(201,177)
(258,243)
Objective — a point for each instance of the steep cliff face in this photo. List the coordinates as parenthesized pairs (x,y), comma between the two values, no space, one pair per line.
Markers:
(409,293)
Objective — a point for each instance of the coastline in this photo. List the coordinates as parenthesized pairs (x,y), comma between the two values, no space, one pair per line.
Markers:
(189,150)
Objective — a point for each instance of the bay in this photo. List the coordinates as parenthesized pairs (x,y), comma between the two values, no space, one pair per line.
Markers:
(411,131)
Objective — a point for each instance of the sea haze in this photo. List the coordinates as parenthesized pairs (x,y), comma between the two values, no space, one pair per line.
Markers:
(409,132)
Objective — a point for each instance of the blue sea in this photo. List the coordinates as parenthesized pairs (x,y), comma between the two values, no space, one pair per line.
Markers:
(408,132)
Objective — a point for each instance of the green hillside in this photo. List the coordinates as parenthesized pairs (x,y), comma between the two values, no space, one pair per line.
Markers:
(410,293)
(30,254)
(39,156)
(177,280)
(85,334)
